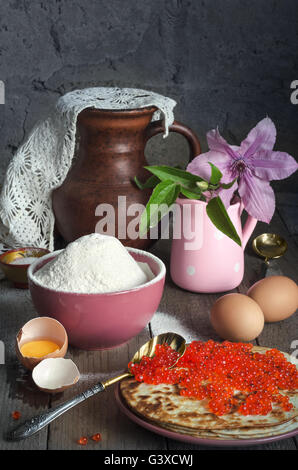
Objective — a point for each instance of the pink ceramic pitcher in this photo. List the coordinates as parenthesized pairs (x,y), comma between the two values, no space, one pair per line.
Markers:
(203,259)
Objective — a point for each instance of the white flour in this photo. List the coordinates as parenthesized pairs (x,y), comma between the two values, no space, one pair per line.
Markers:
(163,322)
(92,264)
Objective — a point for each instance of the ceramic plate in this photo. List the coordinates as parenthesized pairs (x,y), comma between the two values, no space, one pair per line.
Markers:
(195,440)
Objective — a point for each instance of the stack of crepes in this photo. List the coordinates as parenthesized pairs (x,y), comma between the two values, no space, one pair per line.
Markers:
(163,406)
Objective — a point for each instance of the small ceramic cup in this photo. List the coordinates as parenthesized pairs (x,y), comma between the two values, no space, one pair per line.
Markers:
(17,273)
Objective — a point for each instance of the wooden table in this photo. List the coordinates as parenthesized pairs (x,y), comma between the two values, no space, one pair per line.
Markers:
(100,413)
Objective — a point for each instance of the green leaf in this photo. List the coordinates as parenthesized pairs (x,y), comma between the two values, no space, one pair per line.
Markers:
(215,174)
(228,185)
(159,204)
(151,182)
(167,173)
(218,215)
(191,194)
(139,184)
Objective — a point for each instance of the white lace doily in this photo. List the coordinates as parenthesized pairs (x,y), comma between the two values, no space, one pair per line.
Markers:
(42,162)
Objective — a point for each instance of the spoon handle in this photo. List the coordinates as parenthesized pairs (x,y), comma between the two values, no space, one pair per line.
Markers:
(33,425)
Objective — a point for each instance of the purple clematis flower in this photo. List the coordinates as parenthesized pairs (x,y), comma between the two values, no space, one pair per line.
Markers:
(253,163)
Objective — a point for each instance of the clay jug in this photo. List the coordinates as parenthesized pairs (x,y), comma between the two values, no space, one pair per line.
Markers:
(110,154)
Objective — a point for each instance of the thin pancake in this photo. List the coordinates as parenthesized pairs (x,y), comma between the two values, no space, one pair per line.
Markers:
(163,405)
(242,433)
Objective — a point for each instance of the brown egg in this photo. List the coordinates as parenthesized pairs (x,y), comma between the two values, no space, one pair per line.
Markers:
(41,328)
(236,317)
(277,296)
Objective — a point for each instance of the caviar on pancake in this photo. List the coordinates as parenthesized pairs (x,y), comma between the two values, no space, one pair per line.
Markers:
(221,373)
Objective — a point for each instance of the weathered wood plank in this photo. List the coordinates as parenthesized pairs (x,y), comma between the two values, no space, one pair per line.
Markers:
(17,390)
(281,334)
(100,414)
(286,444)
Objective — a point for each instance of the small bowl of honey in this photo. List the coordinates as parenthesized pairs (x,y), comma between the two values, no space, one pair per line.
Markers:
(15,263)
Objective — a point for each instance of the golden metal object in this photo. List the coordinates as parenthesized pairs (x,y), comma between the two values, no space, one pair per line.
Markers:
(17,273)
(269,246)
(174,340)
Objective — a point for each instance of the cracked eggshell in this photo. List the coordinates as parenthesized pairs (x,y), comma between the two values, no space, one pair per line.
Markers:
(56,374)
(41,328)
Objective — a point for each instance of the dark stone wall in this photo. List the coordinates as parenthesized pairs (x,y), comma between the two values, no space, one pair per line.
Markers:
(226,62)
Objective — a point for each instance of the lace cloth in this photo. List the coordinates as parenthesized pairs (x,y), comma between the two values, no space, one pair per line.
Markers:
(41,163)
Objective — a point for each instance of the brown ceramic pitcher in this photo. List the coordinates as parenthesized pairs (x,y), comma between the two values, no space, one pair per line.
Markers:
(110,155)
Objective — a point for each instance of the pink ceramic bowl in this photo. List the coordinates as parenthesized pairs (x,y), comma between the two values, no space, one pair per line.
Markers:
(101,321)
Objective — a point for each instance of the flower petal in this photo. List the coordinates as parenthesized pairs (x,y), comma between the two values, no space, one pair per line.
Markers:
(273,165)
(217,143)
(257,196)
(261,137)
(200,166)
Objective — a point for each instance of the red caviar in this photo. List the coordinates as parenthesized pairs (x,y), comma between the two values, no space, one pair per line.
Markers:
(96,437)
(219,372)
(155,370)
(82,441)
(16,414)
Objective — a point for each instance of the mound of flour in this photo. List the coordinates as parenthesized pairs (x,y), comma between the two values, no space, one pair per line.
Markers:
(93,264)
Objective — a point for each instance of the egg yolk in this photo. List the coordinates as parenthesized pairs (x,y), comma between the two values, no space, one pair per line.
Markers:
(39,348)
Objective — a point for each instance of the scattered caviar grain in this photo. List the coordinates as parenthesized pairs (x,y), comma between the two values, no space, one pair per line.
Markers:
(96,437)
(16,415)
(82,441)
(219,372)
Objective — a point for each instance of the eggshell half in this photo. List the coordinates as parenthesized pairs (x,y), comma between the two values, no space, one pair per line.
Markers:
(55,374)
(277,296)
(41,328)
